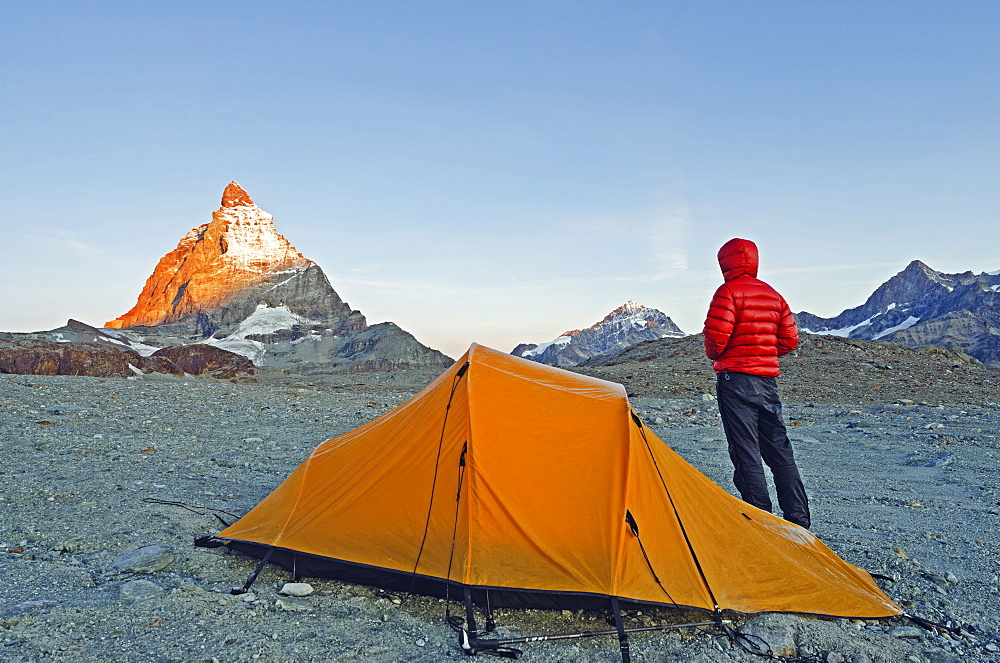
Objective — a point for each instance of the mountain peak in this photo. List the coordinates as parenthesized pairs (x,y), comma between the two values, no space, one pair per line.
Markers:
(235,196)
(222,270)
(627,325)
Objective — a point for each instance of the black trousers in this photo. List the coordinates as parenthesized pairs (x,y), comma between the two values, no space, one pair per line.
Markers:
(751,416)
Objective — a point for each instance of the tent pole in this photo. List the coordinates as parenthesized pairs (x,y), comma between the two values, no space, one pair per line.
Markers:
(473,645)
(253,576)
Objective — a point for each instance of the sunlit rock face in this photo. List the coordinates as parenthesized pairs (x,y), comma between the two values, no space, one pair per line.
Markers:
(222,271)
(238,285)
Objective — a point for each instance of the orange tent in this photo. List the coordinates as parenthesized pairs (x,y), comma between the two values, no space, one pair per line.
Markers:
(527,485)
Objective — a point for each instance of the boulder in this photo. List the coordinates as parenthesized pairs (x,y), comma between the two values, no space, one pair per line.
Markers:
(37,357)
(199,359)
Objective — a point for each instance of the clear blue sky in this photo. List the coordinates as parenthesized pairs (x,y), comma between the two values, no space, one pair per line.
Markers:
(500,171)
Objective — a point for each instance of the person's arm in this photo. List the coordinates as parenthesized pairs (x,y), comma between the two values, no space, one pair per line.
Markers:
(788,333)
(719,322)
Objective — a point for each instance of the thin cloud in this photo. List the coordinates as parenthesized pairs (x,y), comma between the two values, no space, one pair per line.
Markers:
(666,239)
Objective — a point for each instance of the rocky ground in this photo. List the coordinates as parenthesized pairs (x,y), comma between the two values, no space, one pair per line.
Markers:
(898,450)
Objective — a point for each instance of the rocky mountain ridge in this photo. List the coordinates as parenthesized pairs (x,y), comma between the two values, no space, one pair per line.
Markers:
(921,306)
(627,325)
(238,284)
(823,369)
(222,271)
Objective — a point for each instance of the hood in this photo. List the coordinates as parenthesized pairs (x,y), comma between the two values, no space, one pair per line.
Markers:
(738,257)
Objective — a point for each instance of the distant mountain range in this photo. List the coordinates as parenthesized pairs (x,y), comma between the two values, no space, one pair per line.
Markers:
(237,284)
(622,328)
(921,306)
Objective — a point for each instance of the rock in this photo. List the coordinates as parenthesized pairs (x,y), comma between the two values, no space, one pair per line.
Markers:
(937,579)
(658,421)
(296,589)
(148,559)
(248,597)
(28,606)
(834,657)
(187,586)
(199,359)
(951,577)
(776,631)
(292,604)
(139,590)
(905,401)
(707,397)
(938,655)
(908,632)
(64,409)
(30,356)
(942,459)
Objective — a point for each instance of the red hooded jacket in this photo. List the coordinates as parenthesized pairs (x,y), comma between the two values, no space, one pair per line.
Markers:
(749,325)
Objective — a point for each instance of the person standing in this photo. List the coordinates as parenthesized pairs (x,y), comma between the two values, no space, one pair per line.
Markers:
(749,325)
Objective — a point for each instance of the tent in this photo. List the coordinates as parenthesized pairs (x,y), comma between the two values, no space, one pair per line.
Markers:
(514,483)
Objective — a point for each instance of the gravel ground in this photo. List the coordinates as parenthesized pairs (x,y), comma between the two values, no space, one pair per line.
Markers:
(908,491)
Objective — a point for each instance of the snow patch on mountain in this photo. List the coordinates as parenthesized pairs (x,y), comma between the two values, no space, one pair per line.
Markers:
(905,324)
(264,320)
(537,351)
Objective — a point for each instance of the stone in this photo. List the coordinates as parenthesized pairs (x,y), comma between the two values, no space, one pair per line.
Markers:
(200,359)
(139,590)
(293,604)
(938,655)
(936,578)
(296,589)
(776,631)
(28,606)
(30,356)
(907,632)
(148,559)
(64,409)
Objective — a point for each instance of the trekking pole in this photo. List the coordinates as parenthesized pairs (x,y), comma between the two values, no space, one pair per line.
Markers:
(472,645)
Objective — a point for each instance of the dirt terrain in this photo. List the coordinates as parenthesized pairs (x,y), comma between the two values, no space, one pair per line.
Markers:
(898,449)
